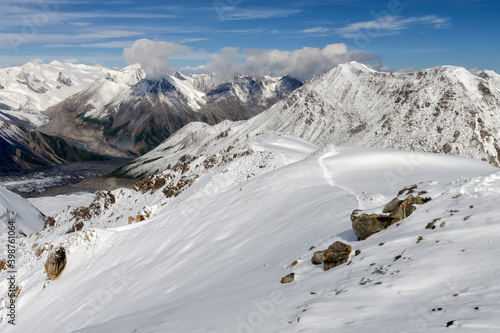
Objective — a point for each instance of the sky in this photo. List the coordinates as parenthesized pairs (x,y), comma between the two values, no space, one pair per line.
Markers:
(277,37)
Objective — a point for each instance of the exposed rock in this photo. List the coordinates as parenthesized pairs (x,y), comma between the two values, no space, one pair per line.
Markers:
(357,252)
(76,227)
(407,189)
(432,225)
(391,206)
(365,225)
(337,254)
(17,291)
(484,90)
(293,264)
(318,257)
(130,220)
(55,263)
(405,208)
(49,222)
(289,278)
(3,264)
(139,218)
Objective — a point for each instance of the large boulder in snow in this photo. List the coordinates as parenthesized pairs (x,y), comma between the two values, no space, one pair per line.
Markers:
(55,263)
(365,225)
(336,254)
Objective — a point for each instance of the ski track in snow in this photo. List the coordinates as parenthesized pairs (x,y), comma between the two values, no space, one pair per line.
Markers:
(331,181)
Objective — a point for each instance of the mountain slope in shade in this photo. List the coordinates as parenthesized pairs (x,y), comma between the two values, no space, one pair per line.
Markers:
(443,109)
(132,116)
(28,90)
(211,258)
(22,148)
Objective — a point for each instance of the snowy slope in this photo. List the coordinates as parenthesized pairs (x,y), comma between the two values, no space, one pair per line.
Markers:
(28,90)
(444,109)
(27,218)
(211,258)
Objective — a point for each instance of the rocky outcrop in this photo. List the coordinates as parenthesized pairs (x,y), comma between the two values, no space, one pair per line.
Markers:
(365,225)
(55,263)
(336,254)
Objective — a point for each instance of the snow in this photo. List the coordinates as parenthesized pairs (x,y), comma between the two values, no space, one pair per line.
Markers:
(28,219)
(52,206)
(32,88)
(211,259)
(440,109)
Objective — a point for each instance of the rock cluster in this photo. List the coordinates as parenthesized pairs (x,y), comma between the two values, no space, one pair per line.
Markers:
(365,225)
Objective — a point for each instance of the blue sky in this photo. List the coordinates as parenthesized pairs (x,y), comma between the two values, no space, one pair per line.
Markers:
(392,35)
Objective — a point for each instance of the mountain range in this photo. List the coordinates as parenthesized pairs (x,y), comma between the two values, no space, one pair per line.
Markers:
(442,110)
(92,110)
(129,114)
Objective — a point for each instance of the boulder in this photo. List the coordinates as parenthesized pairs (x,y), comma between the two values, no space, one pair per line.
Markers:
(318,257)
(366,225)
(289,278)
(405,208)
(336,254)
(55,263)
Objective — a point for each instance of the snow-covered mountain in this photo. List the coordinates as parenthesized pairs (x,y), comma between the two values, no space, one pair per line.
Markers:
(443,109)
(126,113)
(26,91)
(202,247)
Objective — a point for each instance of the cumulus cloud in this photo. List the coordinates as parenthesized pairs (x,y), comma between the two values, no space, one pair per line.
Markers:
(153,56)
(302,64)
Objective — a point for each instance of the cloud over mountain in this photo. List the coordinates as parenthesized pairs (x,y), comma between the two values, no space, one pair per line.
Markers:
(153,56)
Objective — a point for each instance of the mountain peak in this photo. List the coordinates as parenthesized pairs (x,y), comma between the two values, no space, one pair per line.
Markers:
(153,87)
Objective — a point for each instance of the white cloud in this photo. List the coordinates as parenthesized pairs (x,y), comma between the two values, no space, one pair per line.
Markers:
(302,63)
(153,56)
(80,23)
(316,30)
(11,41)
(474,69)
(391,25)
(235,13)
(37,60)
(104,45)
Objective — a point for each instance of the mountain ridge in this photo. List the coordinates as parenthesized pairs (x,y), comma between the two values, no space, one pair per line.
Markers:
(444,109)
